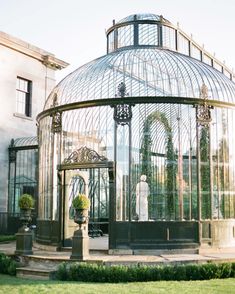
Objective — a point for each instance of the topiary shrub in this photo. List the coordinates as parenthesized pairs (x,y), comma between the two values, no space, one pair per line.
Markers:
(26,201)
(81,202)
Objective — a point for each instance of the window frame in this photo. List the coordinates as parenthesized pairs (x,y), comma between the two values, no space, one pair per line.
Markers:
(27,94)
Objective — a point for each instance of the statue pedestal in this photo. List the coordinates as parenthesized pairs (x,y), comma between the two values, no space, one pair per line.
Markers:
(24,241)
(80,244)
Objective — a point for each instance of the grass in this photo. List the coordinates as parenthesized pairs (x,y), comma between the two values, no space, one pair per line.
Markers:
(16,285)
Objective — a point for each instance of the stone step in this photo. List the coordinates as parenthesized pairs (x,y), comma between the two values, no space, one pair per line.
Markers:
(35,273)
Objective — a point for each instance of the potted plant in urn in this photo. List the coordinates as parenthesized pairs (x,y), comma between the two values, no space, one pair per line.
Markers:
(24,238)
(81,204)
(80,241)
(26,204)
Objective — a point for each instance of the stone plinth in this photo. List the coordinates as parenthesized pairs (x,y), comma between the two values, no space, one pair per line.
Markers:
(80,244)
(24,241)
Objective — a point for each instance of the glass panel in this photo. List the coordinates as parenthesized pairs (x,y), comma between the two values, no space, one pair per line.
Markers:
(228,75)
(163,150)
(217,66)
(205,174)
(207,59)
(23,177)
(23,97)
(148,34)
(98,191)
(223,165)
(168,37)
(195,52)
(122,173)
(125,36)
(76,186)
(111,41)
(183,44)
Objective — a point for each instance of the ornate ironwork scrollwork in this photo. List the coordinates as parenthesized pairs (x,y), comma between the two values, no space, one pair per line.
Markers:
(84,155)
(122,112)
(203,113)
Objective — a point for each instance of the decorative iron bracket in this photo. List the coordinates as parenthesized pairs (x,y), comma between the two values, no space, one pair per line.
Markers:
(203,111)
(122,112)
(56,125)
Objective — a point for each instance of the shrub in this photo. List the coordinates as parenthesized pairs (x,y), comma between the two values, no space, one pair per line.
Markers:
(26,201)
(81,202)
(62,272)
(208,271)
(140,273)
(7,238)
(193,272)
(232,270)
(7,265)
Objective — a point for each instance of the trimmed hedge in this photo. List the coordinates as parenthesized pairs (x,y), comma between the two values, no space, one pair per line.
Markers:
(7,265)
(7,238)
(140,273)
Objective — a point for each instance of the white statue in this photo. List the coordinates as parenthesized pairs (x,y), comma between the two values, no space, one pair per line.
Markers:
(142,193)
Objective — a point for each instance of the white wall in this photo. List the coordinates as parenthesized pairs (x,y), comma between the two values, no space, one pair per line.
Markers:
(13,64)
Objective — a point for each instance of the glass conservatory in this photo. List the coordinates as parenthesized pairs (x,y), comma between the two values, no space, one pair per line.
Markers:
(22,177)
(147,132)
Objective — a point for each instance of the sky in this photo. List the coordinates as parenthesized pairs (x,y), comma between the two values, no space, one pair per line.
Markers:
(74,30)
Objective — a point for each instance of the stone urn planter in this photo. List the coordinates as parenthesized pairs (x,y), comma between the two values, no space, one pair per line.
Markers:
(80,243)
(25,216)
(81,216)
(24,238)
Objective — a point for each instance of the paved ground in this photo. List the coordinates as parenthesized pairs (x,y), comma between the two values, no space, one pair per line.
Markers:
(98,252)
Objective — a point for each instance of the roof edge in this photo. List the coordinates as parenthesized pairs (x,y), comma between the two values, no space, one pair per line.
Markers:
(47,58)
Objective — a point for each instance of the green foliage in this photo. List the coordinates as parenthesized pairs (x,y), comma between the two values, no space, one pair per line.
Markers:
(81,202)
(119,273)
(171,165)
(171,171)
(205,170)
(7,265)
(6,238)
(26,201)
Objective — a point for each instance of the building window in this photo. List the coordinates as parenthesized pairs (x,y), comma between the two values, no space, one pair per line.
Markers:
(23,96)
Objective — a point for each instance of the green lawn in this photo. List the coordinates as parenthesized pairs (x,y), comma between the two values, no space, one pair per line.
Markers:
(15,285)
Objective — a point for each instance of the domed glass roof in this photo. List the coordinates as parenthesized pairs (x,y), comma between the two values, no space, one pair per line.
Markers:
(143,16)
(146,72)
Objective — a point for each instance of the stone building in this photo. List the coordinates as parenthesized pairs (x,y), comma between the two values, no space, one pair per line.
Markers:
(27,76)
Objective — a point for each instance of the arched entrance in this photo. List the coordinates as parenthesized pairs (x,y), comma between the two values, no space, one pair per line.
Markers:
(85,171)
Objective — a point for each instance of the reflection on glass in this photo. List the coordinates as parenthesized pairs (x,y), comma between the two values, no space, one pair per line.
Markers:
(163,148)
(142,194)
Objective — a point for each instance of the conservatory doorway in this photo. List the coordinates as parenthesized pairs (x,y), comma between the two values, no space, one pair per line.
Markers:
(96,181)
